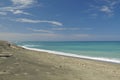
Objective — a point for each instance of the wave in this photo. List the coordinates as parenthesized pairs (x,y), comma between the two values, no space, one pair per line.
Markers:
(75,55)
(31,45)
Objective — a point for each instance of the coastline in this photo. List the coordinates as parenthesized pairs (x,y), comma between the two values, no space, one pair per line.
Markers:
(24,64)
(75,56)
(85,69)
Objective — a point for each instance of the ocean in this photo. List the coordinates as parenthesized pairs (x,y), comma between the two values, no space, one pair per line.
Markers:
(97,50)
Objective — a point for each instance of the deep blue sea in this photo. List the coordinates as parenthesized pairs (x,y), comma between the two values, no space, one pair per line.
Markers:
(98,50)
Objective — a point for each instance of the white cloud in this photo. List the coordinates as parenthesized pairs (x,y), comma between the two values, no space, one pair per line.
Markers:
(54,23)
(3,13)
(25,20)
(106,9)
(20,12)
(23,2)
(18,6)
(69,28)
(40,30)
(61,29)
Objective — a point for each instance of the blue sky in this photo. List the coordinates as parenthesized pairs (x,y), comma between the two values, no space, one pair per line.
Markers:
(60,20)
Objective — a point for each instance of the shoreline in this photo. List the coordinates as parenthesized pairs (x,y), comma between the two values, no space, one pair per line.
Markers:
(26,64)
(107,60)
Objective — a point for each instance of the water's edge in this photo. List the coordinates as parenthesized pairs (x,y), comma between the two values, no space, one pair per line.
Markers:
(75,55)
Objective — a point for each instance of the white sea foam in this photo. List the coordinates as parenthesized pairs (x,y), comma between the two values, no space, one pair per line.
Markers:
(75,55)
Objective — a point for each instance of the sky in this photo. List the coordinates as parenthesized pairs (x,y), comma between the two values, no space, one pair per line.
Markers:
(60,20)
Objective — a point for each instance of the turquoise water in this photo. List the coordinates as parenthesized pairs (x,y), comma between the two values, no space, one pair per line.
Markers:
(98,49)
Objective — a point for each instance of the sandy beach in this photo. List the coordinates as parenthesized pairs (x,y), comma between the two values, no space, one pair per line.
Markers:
(17,63)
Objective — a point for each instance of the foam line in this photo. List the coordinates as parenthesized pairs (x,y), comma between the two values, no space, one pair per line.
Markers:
(75,55)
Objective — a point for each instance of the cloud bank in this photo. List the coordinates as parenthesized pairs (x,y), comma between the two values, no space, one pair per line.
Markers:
(42,36)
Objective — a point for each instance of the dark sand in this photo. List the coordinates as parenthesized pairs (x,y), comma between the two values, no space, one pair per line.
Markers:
(17,63)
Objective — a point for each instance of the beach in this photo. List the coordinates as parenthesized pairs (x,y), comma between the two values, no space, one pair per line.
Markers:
(17,63)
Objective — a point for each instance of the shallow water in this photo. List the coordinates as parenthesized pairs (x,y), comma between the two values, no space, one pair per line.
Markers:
(101,50)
